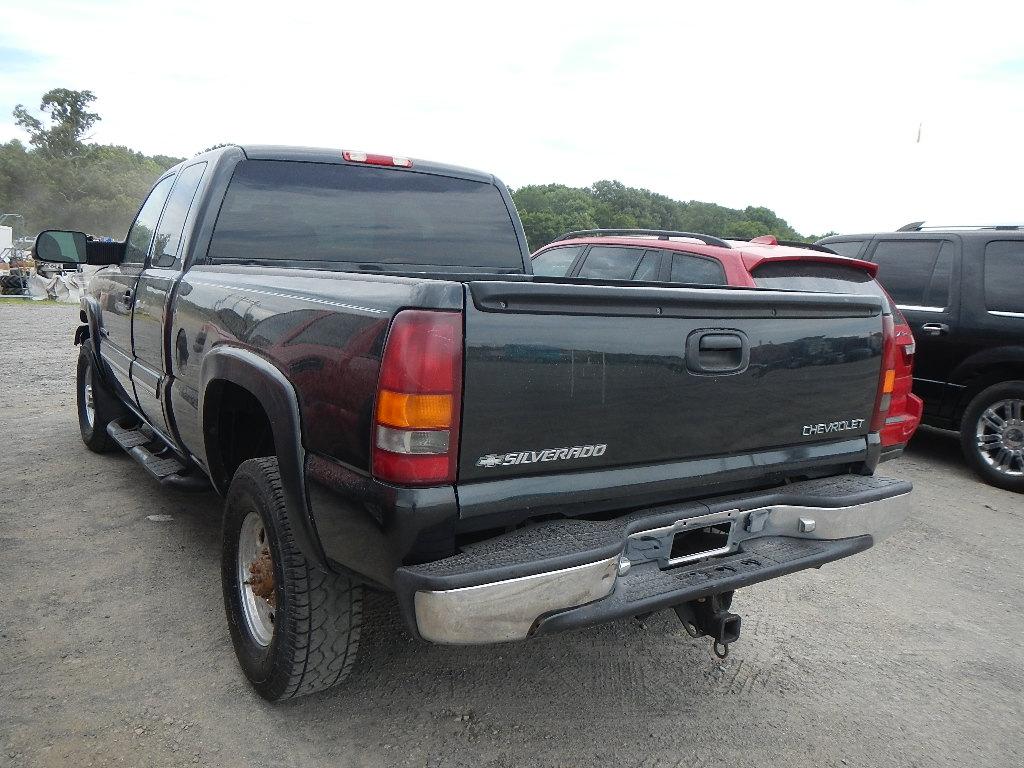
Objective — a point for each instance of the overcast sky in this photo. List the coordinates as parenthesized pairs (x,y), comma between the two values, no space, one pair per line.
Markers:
(811,109)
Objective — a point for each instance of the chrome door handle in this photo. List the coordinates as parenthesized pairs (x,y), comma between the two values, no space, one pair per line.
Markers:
(935,329)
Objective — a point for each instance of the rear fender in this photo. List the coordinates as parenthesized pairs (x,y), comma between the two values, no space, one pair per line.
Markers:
(277,397)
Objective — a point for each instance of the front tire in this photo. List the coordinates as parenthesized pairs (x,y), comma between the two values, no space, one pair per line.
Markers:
(295,628)
(97,405)
(992,435)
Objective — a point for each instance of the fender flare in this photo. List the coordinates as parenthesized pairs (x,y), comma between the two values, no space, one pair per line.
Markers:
(91,312)
(277,397)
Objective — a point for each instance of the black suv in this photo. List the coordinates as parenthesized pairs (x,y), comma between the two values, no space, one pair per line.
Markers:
(962,291)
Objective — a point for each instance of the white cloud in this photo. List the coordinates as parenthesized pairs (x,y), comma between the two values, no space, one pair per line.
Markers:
(809,108)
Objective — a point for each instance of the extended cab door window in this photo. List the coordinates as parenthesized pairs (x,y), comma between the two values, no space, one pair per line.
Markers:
(556,262)
(609,262)
(172,223)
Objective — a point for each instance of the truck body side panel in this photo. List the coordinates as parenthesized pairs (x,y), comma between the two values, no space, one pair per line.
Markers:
(324,331)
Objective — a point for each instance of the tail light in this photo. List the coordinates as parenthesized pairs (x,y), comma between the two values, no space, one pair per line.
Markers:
(898,411)
(905,408)
(416,417)
(887,378)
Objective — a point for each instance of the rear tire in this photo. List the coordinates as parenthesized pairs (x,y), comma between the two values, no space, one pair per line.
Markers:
(97,405)
(295,628)
(992,435)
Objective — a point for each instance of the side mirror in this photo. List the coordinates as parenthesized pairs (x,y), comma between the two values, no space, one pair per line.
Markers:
(65,247)
(61,247)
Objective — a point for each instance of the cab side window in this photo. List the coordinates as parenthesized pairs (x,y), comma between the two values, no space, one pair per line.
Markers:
(172,223)
(556,262)
(141,234)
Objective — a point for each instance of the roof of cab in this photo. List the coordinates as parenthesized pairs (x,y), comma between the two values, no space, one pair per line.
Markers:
(333,155)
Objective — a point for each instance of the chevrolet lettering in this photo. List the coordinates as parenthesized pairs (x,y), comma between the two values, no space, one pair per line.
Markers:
(833,426)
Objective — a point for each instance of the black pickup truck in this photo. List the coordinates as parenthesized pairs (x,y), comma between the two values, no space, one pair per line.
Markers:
(352,349)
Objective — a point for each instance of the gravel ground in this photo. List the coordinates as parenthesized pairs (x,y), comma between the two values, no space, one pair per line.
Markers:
(114,648)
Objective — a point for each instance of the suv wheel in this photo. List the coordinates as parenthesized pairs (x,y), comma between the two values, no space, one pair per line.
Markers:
(992,435)
(97,405)
(295,628)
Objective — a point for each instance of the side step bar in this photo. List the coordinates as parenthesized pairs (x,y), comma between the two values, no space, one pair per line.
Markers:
(156,458)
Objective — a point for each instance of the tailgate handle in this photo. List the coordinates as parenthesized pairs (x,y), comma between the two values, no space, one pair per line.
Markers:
(717,352)
(720,341)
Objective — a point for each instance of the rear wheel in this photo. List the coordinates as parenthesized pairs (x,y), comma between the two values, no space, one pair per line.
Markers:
(295,628)
(992,435)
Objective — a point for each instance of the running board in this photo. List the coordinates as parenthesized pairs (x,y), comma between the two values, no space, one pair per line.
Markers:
(156,458)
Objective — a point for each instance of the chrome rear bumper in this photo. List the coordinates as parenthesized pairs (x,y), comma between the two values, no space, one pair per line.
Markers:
(511,609)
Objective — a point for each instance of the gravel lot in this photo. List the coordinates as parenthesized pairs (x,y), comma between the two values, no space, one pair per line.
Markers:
(114,648)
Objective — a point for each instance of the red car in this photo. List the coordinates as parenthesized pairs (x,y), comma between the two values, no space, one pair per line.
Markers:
(690,258)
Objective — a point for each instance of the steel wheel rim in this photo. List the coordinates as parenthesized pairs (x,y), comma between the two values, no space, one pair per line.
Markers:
(253,556)
(999,436)
(88,404)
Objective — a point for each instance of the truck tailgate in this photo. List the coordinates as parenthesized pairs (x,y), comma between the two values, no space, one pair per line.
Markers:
(568,377)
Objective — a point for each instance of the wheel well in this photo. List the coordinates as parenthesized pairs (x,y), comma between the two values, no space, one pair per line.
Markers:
(236,428)
(984,378)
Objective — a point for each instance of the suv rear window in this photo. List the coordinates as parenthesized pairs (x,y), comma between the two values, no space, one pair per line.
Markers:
(1004,276)
(817,276)
(291,211)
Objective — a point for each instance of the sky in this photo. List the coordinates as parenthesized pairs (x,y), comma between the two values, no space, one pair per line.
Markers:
(838,116)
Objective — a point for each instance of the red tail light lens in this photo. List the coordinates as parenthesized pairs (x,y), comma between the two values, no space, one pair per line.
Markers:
(416,416)
(887,377)
(905,408)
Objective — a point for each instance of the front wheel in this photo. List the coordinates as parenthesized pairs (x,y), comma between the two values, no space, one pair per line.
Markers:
(295,628)
(992,435)
(97,405)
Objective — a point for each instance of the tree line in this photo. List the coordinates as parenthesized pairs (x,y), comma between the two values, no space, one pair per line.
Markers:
(549,210)
(62,181)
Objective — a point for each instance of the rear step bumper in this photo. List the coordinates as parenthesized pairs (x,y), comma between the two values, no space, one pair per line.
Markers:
(571,573)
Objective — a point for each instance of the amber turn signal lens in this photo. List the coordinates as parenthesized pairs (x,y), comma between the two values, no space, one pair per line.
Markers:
(397,409)
(890,381)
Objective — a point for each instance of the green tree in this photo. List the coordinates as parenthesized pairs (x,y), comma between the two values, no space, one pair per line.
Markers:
(70,120)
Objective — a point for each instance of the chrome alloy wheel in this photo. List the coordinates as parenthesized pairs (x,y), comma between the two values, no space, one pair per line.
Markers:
(87,399)
(256,579)
(1000,436)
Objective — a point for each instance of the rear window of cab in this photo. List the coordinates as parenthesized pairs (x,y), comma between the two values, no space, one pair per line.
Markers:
(331,214)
